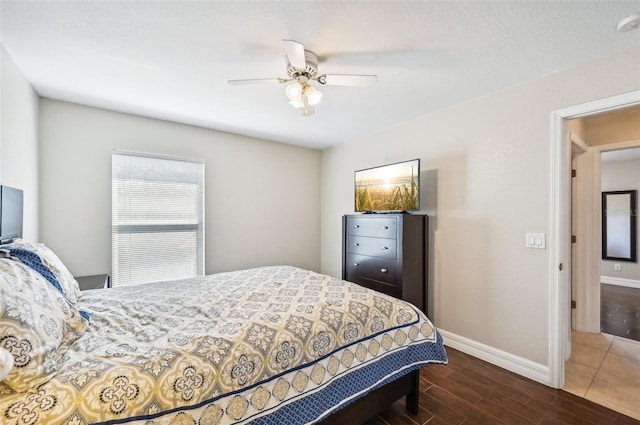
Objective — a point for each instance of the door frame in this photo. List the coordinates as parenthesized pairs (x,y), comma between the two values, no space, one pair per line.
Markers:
(560,227)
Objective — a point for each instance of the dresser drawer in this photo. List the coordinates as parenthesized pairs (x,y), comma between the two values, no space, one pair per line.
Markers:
(377,274)
(362,266)
(376,285)
(375,247)
(379,227)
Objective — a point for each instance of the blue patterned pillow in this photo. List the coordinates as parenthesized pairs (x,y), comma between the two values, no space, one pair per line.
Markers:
(57,272)
(32,260)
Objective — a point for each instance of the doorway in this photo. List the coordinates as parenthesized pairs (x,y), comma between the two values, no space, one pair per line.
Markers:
(560,228)
(565,152)
(605,156)
(604,362)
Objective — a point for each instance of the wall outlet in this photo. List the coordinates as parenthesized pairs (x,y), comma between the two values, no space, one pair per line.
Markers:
(617,267)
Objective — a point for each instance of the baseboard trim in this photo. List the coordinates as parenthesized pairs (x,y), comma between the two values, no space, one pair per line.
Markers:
(516,364)
(620,281)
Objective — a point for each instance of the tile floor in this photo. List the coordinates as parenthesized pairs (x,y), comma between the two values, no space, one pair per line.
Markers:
(606,370)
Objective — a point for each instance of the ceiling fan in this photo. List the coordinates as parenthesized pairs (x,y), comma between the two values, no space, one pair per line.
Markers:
(302,68)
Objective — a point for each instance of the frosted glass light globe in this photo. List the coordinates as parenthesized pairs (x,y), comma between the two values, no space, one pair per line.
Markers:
(294,90)
(313,96)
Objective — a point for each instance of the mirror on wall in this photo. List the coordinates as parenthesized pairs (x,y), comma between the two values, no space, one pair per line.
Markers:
(619,222)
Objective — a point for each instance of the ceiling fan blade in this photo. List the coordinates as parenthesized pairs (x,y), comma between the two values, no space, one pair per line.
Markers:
(351,80)
(254,81)
(295,53)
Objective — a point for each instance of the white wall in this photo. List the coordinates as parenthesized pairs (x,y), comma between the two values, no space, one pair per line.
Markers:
(621,175)
(262,199)
(19,139)
(487,173)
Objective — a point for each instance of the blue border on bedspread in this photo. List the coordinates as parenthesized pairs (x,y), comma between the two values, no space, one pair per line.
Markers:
(354,385)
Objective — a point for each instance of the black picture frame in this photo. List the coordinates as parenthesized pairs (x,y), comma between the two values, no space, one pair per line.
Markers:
(619,225)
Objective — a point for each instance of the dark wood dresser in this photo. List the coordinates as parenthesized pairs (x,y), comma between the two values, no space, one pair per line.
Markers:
(387,252)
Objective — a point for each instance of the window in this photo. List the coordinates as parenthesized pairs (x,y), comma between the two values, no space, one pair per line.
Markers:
(157,218)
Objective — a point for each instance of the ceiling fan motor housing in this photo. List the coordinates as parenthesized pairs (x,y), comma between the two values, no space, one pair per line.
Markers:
(310,71)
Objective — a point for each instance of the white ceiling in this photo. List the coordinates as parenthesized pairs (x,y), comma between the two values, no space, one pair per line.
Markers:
(172,59)
(630,154)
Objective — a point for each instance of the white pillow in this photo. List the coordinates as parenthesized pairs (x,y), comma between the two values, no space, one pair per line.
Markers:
(37,325)
(6,363)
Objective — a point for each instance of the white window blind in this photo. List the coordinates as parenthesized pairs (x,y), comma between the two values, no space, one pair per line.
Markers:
(157,230)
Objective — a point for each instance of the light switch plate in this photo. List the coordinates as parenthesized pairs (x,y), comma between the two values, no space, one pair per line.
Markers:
(535,240)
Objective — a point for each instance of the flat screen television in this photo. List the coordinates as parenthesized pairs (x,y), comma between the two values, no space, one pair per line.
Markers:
(388,188)
(11,202)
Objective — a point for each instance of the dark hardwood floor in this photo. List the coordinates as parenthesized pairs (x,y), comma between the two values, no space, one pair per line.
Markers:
(620,311)
(469,391)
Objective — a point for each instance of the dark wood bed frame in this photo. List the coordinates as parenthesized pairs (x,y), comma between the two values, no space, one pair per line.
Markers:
(376,401)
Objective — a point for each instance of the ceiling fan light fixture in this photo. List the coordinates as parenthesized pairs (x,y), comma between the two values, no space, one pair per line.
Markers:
(313,95)
(305,112)
(297,103)
(303,96)
(294,91)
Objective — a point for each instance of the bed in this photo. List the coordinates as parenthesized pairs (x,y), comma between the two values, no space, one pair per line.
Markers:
(268,345)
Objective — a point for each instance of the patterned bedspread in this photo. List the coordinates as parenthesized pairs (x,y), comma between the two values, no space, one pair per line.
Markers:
(266,345)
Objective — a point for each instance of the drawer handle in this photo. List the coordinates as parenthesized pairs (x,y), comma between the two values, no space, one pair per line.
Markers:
(384,248)
(384,270)
(356,244)
(357,226)
(356,264)
(385,227)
